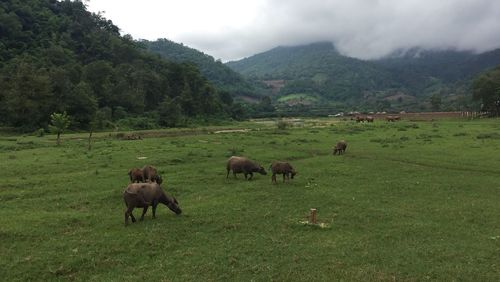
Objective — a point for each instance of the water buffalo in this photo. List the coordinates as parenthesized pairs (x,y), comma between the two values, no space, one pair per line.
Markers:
(369,119)
(360,119)
(143,195)
(340,147)
(149,173)
(135,175)
(393,118)
(282,168)
(243,165)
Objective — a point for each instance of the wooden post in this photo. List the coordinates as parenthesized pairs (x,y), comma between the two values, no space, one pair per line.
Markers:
(312,218)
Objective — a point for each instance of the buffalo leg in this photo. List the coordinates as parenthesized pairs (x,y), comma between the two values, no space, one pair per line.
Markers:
(129,213)
(273,178)
(245,175)
(284,175)
(227,176)
(126,216)
(251,175)
(155,204)
(144,212)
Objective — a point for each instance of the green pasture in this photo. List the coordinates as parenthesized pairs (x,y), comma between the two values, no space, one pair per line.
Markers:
(298,97)
(408,201)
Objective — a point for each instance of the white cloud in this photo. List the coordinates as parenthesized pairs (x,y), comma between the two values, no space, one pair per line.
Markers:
(232,29)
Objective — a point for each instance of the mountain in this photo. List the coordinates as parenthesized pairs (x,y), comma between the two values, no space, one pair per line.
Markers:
(415,67)
(56,56)
(316,68)
(318,75)
(219,74)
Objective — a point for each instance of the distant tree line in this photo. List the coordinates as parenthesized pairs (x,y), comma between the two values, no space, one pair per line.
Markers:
(486,88)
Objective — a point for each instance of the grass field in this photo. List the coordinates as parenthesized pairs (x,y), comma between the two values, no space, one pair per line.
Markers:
(408,202)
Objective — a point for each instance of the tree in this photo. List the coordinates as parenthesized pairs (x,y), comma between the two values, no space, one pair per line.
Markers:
(81,105)
(170,112)
(59,122)
(103,116)
(266,105)
(28,99)
(92,126)
(238,111)
(486,88)
(435,102)
(383,105)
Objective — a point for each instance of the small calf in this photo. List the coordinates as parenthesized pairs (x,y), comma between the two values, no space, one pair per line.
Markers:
(135,175)
(282,168)
(340,147)
(150,174)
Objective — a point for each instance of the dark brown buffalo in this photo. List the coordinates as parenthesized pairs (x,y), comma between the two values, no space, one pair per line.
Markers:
(135,175)
(360,119)
(369,119)
(340,147)
(243,165)
(393,118)
(150,173)
(143,195)
(282,168)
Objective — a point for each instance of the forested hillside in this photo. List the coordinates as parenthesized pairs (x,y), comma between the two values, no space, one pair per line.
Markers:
(56,56)
(411,80)
(316,68)
(223,77)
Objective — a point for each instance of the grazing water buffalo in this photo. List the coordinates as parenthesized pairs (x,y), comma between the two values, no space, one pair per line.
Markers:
(393,118)
(243,165)
(143,195)
(282,168)
(369,119)
(149,173)
(340,147)
(360,119)
(135,175)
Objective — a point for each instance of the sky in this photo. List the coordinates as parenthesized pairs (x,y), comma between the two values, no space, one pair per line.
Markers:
(365,29)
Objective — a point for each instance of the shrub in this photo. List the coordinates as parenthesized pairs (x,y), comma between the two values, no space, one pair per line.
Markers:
(282,125)
(490,135)
(137,123)
(40,132)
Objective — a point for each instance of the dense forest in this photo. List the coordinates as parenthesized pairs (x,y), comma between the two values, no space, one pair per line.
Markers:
(318,76)
(55,56)
(223,77)
(486,89)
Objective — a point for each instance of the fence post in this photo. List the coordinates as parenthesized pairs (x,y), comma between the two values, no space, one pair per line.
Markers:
(312,217)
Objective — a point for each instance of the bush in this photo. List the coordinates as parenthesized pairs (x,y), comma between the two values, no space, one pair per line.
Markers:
(491,135)
(282,125)
(40,132)
(137,123)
